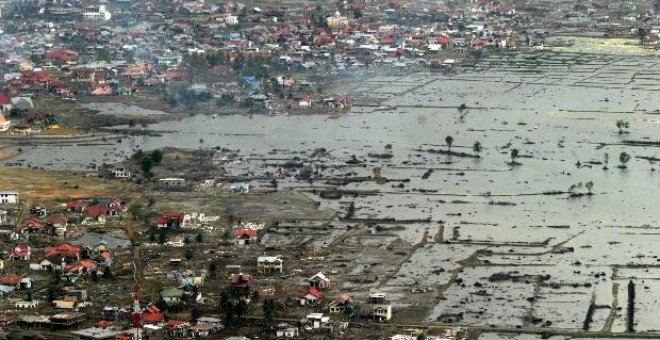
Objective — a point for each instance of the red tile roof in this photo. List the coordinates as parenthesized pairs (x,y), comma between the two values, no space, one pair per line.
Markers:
(10,280)
(245,232)
(169,216)
(314,292)
(96,211)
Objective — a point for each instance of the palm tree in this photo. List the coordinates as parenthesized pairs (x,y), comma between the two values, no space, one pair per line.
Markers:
(449,140)
(589,185)
(514,155)
(624,157)
(622,125)
(476,147)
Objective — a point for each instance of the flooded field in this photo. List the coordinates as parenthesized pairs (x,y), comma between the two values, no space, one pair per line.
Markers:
(494,240)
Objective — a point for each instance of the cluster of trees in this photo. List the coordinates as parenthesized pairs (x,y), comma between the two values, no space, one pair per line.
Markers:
(148,161)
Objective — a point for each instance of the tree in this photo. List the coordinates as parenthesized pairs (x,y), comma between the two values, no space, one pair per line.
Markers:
(147,164)
(589,185)
(449,140)
(186,240)
(514,155)
(107,273)
(213,269)
(156,156)
(624,157)
(162,237)
(188,254)
(199,238)
(622,125)
(476,147)
(269,309)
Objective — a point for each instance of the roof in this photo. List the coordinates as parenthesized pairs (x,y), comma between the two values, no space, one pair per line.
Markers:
(10,280)
(154,317)
(172,292)
(313,292)
(96,211)
(63,249)
(245,232)
(269,259)
(58,219)
(170,215)
(319,277)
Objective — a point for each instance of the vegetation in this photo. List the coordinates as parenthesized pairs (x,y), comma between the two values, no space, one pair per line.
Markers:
(624,158)
(476,147)
(623,126)
(449,140)
(514,155)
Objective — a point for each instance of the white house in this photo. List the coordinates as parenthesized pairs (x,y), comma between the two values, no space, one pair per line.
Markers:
(97,13)
(3,217)
(172,182)
(316,320)
(269,264)
(121,172)
(8,197)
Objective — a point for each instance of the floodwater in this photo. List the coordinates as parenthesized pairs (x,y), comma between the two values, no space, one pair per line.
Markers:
(557,109)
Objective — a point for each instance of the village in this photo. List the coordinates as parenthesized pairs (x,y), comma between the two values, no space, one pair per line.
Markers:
(234,57)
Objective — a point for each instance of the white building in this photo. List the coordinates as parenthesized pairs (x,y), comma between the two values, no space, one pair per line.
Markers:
(97,13)
(269,264)
(8,197)
(121,172)
(4,123)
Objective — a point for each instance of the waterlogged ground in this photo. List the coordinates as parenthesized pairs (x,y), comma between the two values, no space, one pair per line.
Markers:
(472,219)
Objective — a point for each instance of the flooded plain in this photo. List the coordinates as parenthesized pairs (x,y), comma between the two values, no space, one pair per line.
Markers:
(498,243)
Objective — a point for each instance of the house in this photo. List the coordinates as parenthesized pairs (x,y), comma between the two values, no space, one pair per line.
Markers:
(382,312)
(11,281)
(21,252)
(339,304)
(284,330)
(269,264)
(319,281)
(8,197)
(172,183)
(216,324)
(4,123)
(377,298)
(2,264)
(245,237)
(77,206)
(317,320)
(31,226)
(94,333)
(311,297)
(64,251)
(39,210)
(171,219)
(22,129)
(3,217)
(174,295)
(121,172)
(58,223)
(240,281)
(177,328)
(97,213)
(153,314)
(200,329)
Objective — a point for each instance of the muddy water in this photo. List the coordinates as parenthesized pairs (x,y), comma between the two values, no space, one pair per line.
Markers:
(556,109)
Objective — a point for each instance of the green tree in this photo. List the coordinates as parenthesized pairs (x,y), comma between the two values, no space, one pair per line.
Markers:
(213,269)
(107,273)
(476,147)
(199,238)
(514,155)
(156,156)
(449,140)
(622,125)
(268,308)
(188,254)
(162,237)
(590,186)
(624,157)
(147,164)
(186,240)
